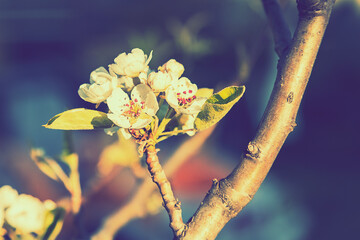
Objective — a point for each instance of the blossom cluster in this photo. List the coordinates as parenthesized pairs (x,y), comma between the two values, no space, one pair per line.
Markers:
(25,213)
(132,91)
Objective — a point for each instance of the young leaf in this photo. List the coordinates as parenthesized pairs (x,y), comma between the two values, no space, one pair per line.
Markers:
(217,106)
(204,92)
(79,119)
(53,223)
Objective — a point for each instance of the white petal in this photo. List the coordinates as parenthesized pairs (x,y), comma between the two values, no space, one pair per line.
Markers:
(119,120)
(141,122)
(91,93)
(134,68)
(115,69)
(159,81)
(143,93)
(126,82)
(195,107)
(149,58)
(171,97)
(117,101)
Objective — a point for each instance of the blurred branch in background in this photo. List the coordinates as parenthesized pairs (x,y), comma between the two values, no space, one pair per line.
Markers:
(279,27)
(55,170)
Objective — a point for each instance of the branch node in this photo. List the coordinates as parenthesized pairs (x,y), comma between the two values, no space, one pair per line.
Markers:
(253,151)
(311,8)
(290,97)
(178,204)
(292,126)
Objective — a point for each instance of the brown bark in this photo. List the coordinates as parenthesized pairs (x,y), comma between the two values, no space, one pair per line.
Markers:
(171,204)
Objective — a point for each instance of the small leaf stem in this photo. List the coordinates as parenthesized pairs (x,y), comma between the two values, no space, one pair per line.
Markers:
(171,204)
(171,133)
(164,122)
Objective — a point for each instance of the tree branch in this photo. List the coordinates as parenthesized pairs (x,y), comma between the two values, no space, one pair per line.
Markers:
(171,204)
(279,28)
(135,207)
(229,196)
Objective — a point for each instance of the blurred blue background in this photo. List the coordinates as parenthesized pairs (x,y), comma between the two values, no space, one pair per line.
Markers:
(49,48)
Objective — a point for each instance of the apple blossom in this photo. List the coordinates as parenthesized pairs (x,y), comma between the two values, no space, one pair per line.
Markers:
(159,81)
(100,87)
(181,96)
(135,113)
(174,68)
(131,64)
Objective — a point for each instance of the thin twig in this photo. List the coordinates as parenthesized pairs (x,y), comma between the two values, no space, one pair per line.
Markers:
(171,204)
(229,196)
(135,206)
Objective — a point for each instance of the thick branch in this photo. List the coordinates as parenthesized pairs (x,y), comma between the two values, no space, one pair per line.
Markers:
(279,27)
(158,176)
(228,196)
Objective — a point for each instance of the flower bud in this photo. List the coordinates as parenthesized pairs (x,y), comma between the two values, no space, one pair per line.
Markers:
(100,86)
(159,81)
(174,68)
(131,64)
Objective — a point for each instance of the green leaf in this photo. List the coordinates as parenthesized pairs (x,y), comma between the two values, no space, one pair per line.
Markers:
(53,223)
(217,106)
(79,119)
(204,92)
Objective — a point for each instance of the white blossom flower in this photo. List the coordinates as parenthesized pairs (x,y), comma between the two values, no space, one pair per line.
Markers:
(135,113)
(26,214)
(181,96)
(131,64)
(100,87)
(7,196)
(159,81)
(174,68)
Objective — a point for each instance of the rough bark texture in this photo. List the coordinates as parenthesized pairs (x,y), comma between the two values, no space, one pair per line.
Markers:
(158,176)
(229,196)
